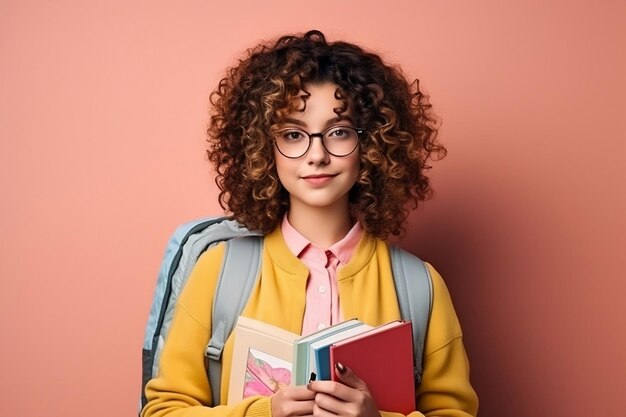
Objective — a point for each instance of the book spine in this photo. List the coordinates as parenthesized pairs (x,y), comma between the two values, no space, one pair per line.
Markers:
(300,364)
(322,360)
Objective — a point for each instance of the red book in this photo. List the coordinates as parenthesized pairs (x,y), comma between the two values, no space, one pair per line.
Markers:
(383,358)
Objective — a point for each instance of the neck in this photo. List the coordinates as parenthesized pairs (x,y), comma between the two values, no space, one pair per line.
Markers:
(323,227)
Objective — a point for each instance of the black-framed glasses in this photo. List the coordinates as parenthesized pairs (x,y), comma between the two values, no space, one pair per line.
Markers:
(337,140)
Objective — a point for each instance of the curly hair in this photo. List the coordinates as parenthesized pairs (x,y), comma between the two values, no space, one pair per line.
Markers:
(400,130)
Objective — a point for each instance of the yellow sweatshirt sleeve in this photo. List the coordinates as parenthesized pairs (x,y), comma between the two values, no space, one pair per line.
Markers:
(445,390)
(182,388)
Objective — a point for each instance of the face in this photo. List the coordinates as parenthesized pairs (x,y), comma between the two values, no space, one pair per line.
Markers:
(317,180)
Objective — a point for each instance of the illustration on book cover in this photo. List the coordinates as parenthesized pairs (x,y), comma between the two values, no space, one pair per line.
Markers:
(265,374)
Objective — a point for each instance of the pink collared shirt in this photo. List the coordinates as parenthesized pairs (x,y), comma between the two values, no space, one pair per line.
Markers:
(322,298)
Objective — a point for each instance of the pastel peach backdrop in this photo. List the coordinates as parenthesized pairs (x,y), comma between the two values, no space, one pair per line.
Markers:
(102,115)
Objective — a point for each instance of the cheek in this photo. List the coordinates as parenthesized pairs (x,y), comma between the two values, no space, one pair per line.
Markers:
(283,168)
(354,166)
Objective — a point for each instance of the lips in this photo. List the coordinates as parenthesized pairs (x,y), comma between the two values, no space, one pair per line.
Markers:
(318,179)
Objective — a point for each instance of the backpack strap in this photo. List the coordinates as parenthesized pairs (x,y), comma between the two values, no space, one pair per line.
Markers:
(186,245)
(240,269)
(183,249)
(414,290)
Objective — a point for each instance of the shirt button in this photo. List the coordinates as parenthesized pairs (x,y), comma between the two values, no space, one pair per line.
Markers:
(321,326)
(321,289)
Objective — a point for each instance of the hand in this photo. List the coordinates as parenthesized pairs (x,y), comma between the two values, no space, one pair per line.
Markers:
(292,401)
(348,398)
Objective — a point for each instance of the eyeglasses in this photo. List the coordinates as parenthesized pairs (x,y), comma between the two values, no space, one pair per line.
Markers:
(337,140)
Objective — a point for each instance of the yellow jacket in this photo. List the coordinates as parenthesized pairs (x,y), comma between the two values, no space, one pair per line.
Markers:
(366,291)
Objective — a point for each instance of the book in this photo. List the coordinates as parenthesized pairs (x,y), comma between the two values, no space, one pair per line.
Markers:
(266,358)
(383,358)
(262,359)
(301,362)
(319,351)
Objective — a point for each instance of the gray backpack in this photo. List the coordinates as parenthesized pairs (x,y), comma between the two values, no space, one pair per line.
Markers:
(240,269)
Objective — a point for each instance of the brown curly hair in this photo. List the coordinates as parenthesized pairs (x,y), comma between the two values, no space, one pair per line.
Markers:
(399,140)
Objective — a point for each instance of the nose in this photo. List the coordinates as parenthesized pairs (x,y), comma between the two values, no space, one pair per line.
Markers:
(317,154)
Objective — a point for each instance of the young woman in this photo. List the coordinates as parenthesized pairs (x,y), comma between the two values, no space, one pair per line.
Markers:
(324,148)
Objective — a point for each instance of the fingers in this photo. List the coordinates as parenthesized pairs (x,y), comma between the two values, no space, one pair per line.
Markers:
(327,404)
(333,389)
(291,408)
(319,411)
(359,405)
(348,397)
(343,390)
(298,393)
(292,402)
(349,378)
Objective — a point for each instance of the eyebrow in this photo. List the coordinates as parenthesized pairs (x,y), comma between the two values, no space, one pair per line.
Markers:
(329,122)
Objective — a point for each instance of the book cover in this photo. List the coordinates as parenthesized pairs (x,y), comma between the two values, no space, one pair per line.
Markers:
(262,359)
(301,362)
(319,351)
(383,358)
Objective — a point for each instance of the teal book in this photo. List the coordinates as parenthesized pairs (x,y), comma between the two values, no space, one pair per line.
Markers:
(319,351)
(301,368)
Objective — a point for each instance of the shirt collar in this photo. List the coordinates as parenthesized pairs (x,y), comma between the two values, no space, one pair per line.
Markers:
(294,240)
(342,250)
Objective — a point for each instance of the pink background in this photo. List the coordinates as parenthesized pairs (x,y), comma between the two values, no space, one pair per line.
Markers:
(102,116)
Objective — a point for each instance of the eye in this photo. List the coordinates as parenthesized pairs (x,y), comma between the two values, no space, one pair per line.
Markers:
(340,132)
(292,135)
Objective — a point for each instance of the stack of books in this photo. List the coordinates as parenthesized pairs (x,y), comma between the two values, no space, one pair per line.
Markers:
(266,358)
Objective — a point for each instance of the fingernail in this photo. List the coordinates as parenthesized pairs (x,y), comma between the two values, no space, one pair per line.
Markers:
(313,376)
(340,368)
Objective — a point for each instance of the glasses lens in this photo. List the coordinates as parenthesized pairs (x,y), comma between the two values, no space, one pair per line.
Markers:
(292,143)
(338,141)
(341,140)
